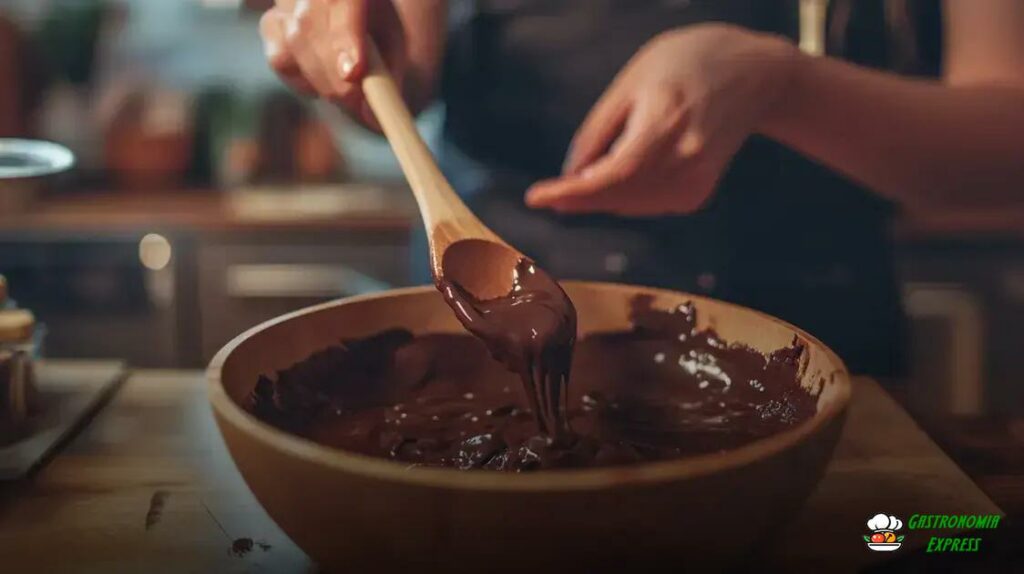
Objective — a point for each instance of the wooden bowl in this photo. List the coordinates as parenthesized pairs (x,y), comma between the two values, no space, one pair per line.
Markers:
(353,513)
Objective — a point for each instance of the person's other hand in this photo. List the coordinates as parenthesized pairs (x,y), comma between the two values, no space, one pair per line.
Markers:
(319,47)
(663,134)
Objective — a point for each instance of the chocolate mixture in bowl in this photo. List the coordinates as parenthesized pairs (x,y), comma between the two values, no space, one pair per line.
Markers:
(662,390)
(532,331)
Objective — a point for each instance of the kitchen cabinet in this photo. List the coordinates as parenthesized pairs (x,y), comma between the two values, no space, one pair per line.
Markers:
(93,296)
(221,265)
(244,281)
(965,300)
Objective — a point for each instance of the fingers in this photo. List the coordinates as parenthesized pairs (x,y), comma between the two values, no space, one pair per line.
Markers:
(272,33)
(348,26)
(303,27)
(587,192)
(693,142)
(599,130)
(327,44)
(651,131)
(318,46)
(279,56)
(595,201)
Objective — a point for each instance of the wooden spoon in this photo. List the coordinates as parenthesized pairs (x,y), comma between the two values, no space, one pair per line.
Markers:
(462,249)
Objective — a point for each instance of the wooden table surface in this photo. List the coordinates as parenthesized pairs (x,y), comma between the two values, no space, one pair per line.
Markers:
(149,487)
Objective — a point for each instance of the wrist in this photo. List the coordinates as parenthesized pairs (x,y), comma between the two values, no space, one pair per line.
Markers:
(784,64)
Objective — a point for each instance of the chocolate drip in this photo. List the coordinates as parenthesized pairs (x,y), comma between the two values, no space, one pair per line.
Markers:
(531,331)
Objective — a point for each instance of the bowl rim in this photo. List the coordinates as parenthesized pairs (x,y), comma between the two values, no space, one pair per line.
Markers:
(227,411)
(50,157)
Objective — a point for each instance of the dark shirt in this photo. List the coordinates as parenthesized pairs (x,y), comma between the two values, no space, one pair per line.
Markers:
(783,234)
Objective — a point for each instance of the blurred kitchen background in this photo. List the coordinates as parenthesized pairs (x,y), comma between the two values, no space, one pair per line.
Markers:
(208,199)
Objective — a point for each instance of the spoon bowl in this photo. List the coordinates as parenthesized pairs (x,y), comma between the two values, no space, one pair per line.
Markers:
(483,268)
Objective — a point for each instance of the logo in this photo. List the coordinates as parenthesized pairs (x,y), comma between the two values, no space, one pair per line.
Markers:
(883,529)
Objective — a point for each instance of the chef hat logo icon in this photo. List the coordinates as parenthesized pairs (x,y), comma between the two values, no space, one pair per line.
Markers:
(885,522)
(883,536)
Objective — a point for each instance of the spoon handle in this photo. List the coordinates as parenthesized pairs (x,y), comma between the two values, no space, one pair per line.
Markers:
(445,216)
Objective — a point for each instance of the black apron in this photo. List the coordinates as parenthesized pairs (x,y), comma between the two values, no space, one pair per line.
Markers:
(782,235)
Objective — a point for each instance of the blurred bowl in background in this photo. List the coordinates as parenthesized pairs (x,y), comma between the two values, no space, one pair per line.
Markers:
(23,165)
(148,142)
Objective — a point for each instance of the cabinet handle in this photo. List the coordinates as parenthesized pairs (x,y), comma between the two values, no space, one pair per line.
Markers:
(305,281)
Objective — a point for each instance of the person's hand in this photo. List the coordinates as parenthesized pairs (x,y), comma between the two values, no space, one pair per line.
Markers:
(319,47)
(663,134)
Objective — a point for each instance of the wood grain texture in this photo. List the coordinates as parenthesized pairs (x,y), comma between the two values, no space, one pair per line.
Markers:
(90,509)
(484,263)
(68,393)
(884,463)
(87,510)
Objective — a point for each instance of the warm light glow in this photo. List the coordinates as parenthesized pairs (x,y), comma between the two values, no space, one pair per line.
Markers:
(155,251)
(813,17)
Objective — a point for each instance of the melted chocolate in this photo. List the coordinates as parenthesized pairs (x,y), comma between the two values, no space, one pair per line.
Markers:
(531,331)
(241,546)
(662,390)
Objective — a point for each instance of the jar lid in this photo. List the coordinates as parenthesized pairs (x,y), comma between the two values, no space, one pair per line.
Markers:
(16,325)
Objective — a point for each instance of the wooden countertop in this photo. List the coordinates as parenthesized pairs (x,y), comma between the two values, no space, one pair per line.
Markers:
(149,487)
(999,224)
(211,211)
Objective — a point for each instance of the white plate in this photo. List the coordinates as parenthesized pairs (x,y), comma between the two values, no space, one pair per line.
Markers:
(884,546)
(24,159)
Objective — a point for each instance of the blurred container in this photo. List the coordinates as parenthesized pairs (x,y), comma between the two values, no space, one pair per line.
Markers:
(317,159)
(19,331)
(24,164)
(294,145)
(18,394)
(149,142)
(225,152)
(270,140)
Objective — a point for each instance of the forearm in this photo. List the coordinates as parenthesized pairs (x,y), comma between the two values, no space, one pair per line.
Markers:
(426,26)
(910,140)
